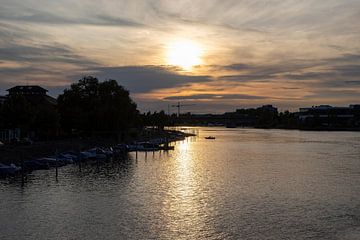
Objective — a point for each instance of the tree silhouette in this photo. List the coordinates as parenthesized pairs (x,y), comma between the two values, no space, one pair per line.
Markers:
(90,105)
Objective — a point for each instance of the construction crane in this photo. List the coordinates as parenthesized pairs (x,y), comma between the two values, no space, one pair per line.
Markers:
(179,105)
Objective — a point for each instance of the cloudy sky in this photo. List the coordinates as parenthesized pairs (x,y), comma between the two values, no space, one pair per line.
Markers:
(219,54)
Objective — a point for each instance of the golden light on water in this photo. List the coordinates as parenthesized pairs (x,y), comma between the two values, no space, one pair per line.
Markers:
(184,53)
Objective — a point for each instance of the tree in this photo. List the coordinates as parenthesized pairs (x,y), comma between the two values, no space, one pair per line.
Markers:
(90,105)
(156,119)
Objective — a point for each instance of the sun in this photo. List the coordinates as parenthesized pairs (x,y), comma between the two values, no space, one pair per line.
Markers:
(184,53)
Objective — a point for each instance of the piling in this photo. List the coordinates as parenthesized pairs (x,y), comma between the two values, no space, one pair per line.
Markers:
(79,160)
(22,170)
(56,165)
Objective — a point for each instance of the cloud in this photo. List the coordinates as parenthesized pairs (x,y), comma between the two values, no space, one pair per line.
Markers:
(143,79)
(353,82)
(42,53)
(43,17)
(250,46)
(214,96)
(247,78)
(342,94)
(343,68)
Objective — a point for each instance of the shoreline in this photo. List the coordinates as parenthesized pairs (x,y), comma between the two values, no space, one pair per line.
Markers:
(15,153)
(318,129)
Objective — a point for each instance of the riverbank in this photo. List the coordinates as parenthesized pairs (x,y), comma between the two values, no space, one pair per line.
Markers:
(320,129)
(283,127)
(15,154)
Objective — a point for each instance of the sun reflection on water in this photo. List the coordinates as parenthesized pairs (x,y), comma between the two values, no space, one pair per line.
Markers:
(185,211)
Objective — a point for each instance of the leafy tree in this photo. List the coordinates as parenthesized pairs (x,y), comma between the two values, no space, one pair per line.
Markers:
(156,119)
(90,105)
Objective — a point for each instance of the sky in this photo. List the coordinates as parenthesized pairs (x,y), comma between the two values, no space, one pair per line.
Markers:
(215,55)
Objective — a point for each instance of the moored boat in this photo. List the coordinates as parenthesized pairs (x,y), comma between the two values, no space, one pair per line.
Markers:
(6,170)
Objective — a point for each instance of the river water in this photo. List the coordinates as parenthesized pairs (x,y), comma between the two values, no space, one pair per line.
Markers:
(245,184)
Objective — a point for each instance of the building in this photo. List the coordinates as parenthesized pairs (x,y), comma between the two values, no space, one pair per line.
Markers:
(33,122)
(34,94)
(2,99)
(326,115)
(27,90)
(7,135)
(268,108)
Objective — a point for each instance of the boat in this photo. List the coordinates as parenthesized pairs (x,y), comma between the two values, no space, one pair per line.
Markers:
(108,151)
(98,153)
(6,170)
(69,155)
(210,137)
(63,158)
(86,155)
(120,148)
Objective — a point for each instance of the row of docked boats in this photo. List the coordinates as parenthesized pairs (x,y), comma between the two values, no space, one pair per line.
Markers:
(8,169)
(69,157)
(73,157)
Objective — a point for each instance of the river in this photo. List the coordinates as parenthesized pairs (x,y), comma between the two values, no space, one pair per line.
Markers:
(245,184)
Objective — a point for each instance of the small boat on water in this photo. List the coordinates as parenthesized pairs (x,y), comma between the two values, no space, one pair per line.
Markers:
(210,137)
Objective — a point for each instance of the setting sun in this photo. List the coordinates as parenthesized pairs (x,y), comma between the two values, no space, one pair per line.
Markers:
(184,54)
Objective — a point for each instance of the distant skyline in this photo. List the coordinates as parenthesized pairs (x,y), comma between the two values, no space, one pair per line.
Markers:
(218,54)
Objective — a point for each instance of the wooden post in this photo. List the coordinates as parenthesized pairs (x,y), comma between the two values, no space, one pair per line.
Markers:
(22,170)
(97,164)
(79,160)
(56,165)
(56,170)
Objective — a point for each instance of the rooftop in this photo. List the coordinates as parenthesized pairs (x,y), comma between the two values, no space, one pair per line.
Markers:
(27,89)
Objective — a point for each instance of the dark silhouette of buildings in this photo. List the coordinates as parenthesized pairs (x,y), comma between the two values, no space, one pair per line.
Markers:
(264,115)
(27,111)
(325,115)
(2,99)
(322,117)
(34,94)
(27,90)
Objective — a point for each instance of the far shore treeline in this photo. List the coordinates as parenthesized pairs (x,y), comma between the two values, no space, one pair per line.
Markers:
(87,108)
(90,108)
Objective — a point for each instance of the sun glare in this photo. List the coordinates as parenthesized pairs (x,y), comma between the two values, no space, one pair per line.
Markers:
(185,54)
